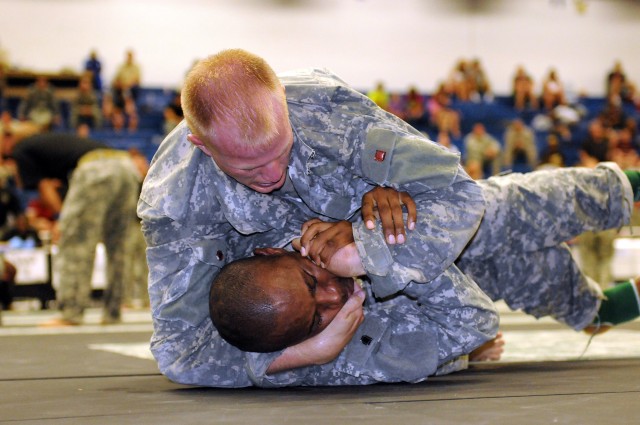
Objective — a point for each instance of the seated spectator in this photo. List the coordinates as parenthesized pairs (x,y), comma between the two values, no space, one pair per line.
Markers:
(397,105)
(552,156)
(42,218)
(22,235)
(522,91)
(85,108)
(618,85)
(40,105)
(441,115)
(415,112)
(380,96)
(173,113)
(444,140)
(552,91)
(613,115)
(520,148)
(121,106)
(478,83)
(126,83)
(625,152)
(596,145)
(94,67)
(482,153)
(457,83)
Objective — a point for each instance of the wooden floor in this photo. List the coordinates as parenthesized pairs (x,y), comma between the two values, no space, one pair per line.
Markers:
(104,375)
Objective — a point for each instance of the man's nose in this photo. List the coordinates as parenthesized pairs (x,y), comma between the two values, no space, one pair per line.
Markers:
(329,297)
(272,172)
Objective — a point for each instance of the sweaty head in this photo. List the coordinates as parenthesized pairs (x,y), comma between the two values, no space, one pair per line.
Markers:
(267,303)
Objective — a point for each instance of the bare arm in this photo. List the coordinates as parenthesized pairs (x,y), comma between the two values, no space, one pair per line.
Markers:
(328,344)
(48,189)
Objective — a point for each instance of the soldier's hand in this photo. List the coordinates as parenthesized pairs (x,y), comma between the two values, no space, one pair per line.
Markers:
(328,344)
(386,204)
(321,240)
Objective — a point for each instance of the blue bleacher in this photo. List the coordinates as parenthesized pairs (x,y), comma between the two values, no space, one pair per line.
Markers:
(495,115)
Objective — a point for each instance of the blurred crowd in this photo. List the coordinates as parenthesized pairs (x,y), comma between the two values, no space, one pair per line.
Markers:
(536,126)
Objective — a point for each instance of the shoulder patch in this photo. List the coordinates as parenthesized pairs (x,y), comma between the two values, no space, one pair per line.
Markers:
(376,158)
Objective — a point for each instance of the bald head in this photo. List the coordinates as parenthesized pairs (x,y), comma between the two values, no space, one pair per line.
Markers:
(233,88)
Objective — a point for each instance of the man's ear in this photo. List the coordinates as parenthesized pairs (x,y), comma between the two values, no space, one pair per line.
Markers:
(199,144)
(269,251)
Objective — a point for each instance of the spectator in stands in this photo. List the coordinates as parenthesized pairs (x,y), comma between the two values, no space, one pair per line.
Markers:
(613,115)
(520,150)
(22,234)
(625,152)
(415,112)
(125,87)
(85,108)
(103,187)
(552,91)
(523,90)
(441,115)
(94,67)
(126,83)
(173,113)
(478,82)
(596,145)
(457,83)
(397,105)
(380,96)
(618,85)
(552,156)
(444,140)
(482,153)
(40,105)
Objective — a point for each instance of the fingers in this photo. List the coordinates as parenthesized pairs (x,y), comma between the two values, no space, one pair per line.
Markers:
(326,240)
(388,204)
(412,210)
(352,314)
(368,208)
(309,232)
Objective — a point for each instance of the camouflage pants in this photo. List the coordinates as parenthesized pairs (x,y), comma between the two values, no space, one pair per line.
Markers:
(99,207)
(518,254)
(596,252)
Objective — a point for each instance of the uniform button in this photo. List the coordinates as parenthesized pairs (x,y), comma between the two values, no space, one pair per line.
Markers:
(219,255)
(366,339)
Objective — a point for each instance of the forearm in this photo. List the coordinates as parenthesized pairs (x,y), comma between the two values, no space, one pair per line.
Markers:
(48,189)
(447,220)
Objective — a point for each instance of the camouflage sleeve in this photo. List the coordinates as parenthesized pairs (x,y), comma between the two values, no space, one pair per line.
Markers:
(402,340)
(447,219)
(185,344)
(395,343)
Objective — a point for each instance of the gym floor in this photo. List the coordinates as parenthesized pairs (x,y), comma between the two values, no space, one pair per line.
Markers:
(105,375)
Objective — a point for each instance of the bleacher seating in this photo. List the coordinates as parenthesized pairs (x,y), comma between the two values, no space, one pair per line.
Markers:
(495,115)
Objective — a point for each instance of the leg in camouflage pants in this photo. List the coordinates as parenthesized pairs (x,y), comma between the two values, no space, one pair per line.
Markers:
(98,207)
(519,253)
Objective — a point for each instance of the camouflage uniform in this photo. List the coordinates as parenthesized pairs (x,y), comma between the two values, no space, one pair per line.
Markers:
(102,194)
(196,219)
(519,254)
